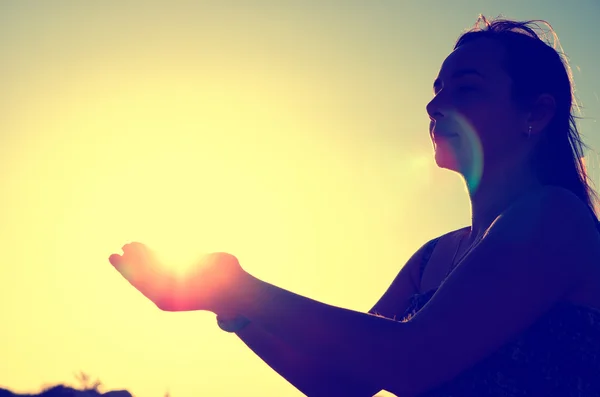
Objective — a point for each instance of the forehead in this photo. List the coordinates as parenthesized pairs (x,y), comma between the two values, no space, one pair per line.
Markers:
(483,55)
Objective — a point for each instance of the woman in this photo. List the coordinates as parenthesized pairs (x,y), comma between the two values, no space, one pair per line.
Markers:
(508,306)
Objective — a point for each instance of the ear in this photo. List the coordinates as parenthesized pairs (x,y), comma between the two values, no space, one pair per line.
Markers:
(541,113)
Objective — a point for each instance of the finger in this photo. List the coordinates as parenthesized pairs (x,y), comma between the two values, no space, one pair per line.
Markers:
(123,267)
(136,251)
(115,259)
(130,247)
(135,245)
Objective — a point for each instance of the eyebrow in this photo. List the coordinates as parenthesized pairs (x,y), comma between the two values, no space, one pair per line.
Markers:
(456,75)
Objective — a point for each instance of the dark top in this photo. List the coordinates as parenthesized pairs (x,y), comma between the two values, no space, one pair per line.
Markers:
(559,355)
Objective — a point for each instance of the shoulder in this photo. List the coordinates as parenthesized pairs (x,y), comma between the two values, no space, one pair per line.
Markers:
(548,214)
(549,231)
(532,257)
(558,198)
(443,237)
(555,197)
(450,236)
(422,255)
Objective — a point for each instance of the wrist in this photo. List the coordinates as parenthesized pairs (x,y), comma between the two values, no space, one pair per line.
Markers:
(232,325)
(242,296)
(233,318)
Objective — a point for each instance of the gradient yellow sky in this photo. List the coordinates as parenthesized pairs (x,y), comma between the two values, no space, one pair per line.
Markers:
(291,134)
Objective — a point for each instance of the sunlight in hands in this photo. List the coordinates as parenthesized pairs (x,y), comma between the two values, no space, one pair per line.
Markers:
(203,286)
(139,266)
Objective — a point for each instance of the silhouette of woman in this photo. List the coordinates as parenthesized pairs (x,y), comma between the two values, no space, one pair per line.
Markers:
(508,306)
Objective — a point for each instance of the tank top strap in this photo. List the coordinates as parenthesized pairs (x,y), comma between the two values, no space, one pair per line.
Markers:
(427,254)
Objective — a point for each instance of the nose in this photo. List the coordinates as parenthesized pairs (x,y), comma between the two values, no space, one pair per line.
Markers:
(433,109)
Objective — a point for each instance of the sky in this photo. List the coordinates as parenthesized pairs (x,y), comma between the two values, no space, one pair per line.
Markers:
(292,134)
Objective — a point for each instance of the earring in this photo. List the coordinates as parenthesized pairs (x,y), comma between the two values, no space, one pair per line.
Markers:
(529,132)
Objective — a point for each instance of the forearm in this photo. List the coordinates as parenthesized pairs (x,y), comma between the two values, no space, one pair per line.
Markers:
(358,344)
(313,376)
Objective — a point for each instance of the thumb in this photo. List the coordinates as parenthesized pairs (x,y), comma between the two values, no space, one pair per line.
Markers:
(116,260)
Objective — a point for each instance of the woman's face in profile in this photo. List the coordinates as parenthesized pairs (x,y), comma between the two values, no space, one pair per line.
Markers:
(473,119)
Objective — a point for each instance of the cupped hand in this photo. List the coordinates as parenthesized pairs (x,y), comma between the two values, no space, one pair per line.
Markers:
(210,285)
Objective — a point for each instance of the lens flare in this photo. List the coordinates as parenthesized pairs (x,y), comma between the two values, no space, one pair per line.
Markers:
(472,168)
(466,156)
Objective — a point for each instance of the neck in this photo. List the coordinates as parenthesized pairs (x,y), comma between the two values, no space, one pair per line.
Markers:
(498,188)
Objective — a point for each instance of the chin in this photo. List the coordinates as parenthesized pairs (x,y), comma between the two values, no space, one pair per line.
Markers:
(471,173)
(443,160)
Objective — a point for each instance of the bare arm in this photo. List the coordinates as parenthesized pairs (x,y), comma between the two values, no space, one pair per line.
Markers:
(315,376)
(312,375)
(531,257)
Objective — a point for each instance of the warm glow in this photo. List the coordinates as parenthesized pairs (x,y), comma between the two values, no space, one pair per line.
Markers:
(292,136)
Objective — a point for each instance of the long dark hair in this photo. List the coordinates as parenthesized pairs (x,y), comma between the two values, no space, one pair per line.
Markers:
(536,67)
